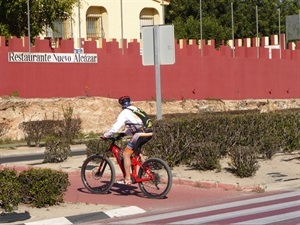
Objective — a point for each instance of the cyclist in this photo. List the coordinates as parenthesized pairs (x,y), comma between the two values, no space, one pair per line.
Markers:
(138,125)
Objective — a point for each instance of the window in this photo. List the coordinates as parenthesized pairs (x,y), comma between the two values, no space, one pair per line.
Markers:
(94,26)
(62,29)
(146,20)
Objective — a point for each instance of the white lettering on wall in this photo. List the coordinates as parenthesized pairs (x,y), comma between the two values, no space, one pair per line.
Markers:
(52,57)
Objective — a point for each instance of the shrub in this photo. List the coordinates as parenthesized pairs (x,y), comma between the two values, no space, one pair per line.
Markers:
(205,156)
(56,150)
(9,190)
(70,127)
(169,142)
(244,160)
(97,146)
(36,130)
(288,132)
(43,187)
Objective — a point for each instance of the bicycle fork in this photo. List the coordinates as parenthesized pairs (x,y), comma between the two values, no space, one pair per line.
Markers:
(101,168)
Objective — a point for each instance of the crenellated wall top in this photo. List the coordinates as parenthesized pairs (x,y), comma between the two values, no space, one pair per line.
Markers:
(246,47)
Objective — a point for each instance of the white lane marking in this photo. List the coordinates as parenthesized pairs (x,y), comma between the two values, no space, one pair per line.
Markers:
(124,211)
(56,221)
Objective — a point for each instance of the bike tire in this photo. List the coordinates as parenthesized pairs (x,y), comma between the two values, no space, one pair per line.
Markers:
(160,186)
(98,182)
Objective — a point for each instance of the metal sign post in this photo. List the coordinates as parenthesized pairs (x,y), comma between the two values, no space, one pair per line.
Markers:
(158,49)
(79,24)
(28,22)
(157,73)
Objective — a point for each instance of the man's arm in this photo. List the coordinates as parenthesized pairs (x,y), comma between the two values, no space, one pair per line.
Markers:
(117,125)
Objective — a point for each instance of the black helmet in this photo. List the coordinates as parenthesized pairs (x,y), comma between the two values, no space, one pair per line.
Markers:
(124,101)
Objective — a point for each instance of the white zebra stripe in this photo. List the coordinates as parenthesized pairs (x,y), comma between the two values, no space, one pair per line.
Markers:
(222,216)
(210,208)
(271,219)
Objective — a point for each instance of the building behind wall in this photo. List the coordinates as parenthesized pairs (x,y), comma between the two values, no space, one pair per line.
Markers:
(116,19)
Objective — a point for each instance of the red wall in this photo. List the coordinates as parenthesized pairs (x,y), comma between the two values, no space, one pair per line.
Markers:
(216,74)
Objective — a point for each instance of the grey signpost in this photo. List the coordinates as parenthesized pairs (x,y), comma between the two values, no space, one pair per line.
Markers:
(158,49)
(292,27)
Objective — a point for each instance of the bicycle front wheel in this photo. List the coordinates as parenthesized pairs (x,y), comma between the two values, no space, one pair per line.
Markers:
(160,178)
(98,174)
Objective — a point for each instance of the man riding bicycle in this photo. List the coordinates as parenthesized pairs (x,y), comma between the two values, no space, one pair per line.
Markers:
(138,125)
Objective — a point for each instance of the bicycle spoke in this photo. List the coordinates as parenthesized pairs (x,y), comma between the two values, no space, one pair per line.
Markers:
(97,174)
(160,178)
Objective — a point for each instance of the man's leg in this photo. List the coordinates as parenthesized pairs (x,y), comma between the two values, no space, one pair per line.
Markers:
(143,139)
(127,163)
(142,157)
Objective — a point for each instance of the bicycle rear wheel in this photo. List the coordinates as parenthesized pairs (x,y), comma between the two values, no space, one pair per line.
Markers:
(98,174)
(162,178)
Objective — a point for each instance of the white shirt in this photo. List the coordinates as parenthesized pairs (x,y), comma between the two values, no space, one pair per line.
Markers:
(126,116)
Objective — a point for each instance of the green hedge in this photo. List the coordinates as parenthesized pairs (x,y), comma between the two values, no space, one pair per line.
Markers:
(201,140)
(35,131)
(37,187)
(10,190)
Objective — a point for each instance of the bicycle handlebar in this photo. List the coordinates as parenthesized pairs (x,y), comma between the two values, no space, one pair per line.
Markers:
(134,124)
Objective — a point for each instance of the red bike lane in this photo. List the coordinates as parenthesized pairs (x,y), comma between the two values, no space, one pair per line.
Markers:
(182,195)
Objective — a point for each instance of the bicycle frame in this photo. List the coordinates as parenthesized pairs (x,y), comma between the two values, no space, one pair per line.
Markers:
(135,163)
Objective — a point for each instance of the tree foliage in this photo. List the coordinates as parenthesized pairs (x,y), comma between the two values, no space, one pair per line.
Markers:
(217,18)
(14,15)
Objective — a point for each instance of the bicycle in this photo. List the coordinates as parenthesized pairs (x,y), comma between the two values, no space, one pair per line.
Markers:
(154,176)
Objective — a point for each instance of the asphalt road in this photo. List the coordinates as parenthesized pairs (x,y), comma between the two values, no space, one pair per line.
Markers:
(36,156)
